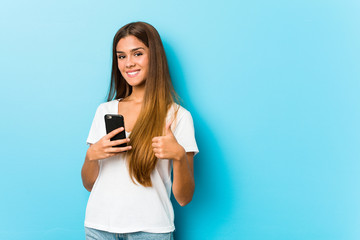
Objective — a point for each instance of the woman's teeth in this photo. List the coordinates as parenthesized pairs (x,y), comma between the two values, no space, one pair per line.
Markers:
(133,73)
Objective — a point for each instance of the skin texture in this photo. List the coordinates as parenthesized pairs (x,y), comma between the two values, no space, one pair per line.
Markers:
(133,58)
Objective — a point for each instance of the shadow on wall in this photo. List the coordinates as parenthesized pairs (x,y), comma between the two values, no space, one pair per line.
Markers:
(212,203)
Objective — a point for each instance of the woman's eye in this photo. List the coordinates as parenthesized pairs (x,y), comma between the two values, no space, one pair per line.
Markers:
(121,57)
(138,54)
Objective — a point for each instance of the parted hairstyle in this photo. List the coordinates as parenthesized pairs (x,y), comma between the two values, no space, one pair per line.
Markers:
(159,97)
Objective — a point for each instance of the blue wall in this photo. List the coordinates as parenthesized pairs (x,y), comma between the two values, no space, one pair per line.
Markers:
(273,87)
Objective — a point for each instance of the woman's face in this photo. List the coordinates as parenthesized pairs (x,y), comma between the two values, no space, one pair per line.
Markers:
(133,60)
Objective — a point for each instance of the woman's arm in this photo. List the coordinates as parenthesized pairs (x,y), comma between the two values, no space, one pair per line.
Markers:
(89,171)
(97,151)
(183,181)
(166,147)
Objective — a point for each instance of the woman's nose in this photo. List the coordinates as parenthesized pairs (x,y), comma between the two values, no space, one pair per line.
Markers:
(129,62)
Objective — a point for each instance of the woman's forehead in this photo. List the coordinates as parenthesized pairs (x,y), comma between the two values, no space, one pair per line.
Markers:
(129,43)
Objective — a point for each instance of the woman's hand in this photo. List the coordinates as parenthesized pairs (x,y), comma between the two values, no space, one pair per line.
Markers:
(166,147)
(104,147)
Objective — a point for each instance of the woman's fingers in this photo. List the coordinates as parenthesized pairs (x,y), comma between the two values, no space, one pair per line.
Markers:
(156,139)
(155,145)
(114,132)
(118,149)
(118,142)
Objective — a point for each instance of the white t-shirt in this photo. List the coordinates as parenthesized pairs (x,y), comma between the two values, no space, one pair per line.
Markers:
(118,205)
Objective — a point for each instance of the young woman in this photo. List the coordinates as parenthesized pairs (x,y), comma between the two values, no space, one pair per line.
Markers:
(131,186)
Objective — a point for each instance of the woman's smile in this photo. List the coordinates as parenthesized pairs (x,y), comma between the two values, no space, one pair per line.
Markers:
(133,73)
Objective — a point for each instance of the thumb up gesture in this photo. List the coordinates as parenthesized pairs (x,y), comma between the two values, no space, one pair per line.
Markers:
(166,147)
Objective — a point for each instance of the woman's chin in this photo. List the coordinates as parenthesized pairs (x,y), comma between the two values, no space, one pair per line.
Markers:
(136,83)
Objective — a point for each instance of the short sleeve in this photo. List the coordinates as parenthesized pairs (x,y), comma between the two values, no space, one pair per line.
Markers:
(97,127)
(184,131)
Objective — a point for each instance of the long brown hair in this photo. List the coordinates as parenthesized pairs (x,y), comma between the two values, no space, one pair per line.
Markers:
(159,97)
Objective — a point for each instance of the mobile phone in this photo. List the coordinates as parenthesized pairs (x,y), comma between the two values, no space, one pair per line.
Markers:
(112,122)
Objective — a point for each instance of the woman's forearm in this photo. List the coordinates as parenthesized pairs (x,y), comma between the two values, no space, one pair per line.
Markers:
(183,179)
(89,171)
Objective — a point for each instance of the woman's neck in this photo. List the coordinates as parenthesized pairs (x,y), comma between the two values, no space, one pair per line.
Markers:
(137,94)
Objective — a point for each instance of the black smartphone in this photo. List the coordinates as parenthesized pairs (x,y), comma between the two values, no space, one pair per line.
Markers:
(112,122)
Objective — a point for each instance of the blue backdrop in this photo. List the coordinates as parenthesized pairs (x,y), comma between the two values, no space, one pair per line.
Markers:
(273,87)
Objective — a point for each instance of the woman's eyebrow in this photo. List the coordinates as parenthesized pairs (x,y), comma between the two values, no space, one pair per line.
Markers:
(132,50)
